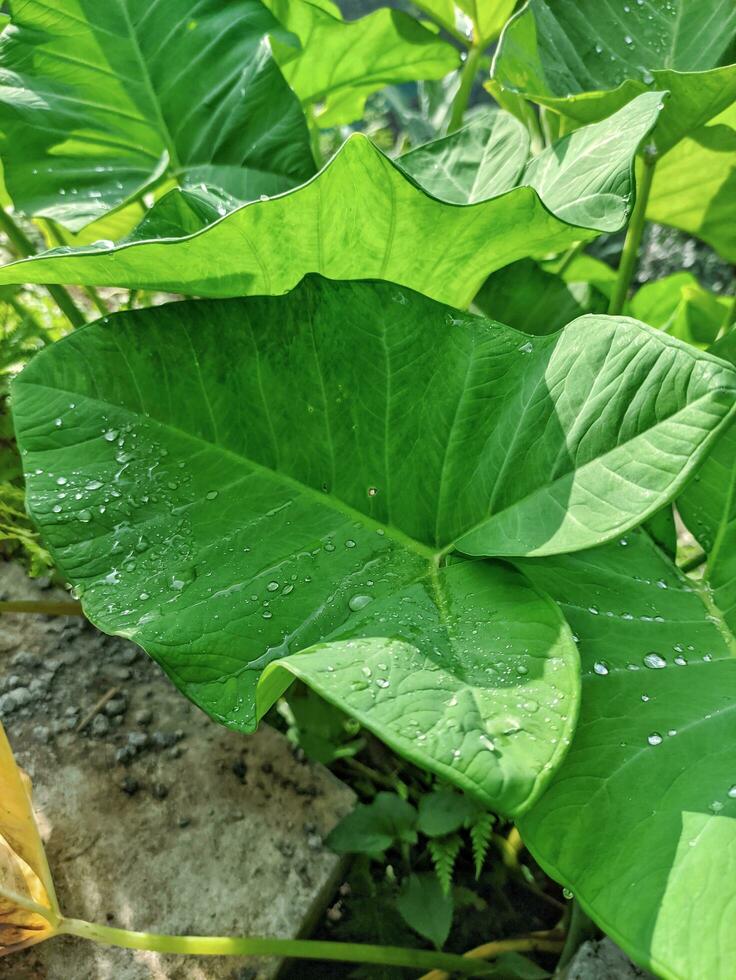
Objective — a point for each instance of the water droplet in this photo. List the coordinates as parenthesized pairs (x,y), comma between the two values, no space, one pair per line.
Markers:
(211,494)
(716,806)
(103,243)
(600,667)
(267,614)
(655,661)
(527,348)
(93,485)
(629,40)
(593,610)
(85,516)
(680,660)
(349,543)
(382,682)
(598,49)
(62,480)
(111,435)
(645,697)
(566,893)
(521,669)
(732,792)
(272,586)
(359,602)
(56,508)
(372,491)
(329,546)
(654,739)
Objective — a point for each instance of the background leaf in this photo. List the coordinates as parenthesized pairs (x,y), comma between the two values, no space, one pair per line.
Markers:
(99,100)
(426,908)
(341,62)
(642,814)
(372,828)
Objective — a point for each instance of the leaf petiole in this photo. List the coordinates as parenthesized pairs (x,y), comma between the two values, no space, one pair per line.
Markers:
(311,949)
(630,253)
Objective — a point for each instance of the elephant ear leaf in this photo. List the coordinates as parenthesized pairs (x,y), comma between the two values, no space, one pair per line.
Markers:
(251,504)
(363,216)
(549,54)
(98,101)
(28,909)
(649,781)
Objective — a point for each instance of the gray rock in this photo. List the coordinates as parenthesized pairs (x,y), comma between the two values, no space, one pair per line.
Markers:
(99,726)
(603,961)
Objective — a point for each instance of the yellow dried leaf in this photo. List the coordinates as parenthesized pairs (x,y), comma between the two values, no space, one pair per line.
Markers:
(28,908)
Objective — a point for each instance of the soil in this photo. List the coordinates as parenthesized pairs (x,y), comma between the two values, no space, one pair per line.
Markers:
(154,817)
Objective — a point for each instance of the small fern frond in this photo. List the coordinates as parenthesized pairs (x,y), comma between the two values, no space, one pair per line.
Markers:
(480,838)
(444,851)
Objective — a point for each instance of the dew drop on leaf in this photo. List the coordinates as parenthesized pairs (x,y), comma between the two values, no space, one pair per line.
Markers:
(359,602)
(654,739)
(655,661)
(600,667)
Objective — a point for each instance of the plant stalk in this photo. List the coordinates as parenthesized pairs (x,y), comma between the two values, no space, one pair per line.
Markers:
(467,77)
(23,246)
(418,959)
(580,928)
(525,944)
(46,608)
(635,230)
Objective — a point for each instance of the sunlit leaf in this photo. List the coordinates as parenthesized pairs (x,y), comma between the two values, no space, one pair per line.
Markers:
(363,217)
(341,62)
(680,305)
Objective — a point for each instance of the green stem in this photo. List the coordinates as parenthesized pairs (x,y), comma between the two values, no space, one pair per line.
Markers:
(44,608)
(417,959)
(467,77)
(630,254)
(579,929)
(94,296)
(23,246)
(692,563)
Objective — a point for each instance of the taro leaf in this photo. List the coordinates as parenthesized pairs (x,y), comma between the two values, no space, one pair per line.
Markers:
(640,821)
(340,63)
(535,301)
(694,186)
(680,305)
(362,217)
(99,100)
(585,59)
(487,16)
(483,159)
(229,494)
(29,912)
(427,908)
(708,507)
(374,827)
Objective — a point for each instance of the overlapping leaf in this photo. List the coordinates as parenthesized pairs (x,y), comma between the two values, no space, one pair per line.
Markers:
(682,307)
(28,909)
(341,62)
(640,821)
(241,499)
(585,59)
(362,217)
(99,100)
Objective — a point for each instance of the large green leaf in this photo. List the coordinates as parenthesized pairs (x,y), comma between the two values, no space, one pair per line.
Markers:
(226,518)
(99,99)
(640,821)
(363,217)
(708,506)
(694,186)
(485,18)
(341,62)
(585,59)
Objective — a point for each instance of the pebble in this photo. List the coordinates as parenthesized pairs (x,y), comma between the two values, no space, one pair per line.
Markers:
(24,659)
(116,706)
(100,726)
(130,786)
(144,717)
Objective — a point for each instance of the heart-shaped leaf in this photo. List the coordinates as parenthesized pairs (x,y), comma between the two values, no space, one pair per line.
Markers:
(694,186)
(585,59)
(239,487)
(99,100)
(640,821)
(341,62)
(29,912)
(362,217)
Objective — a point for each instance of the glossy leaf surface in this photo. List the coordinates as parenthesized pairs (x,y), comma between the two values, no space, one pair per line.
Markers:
(641,817)
(361,216)
(585,59)
(99,100)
